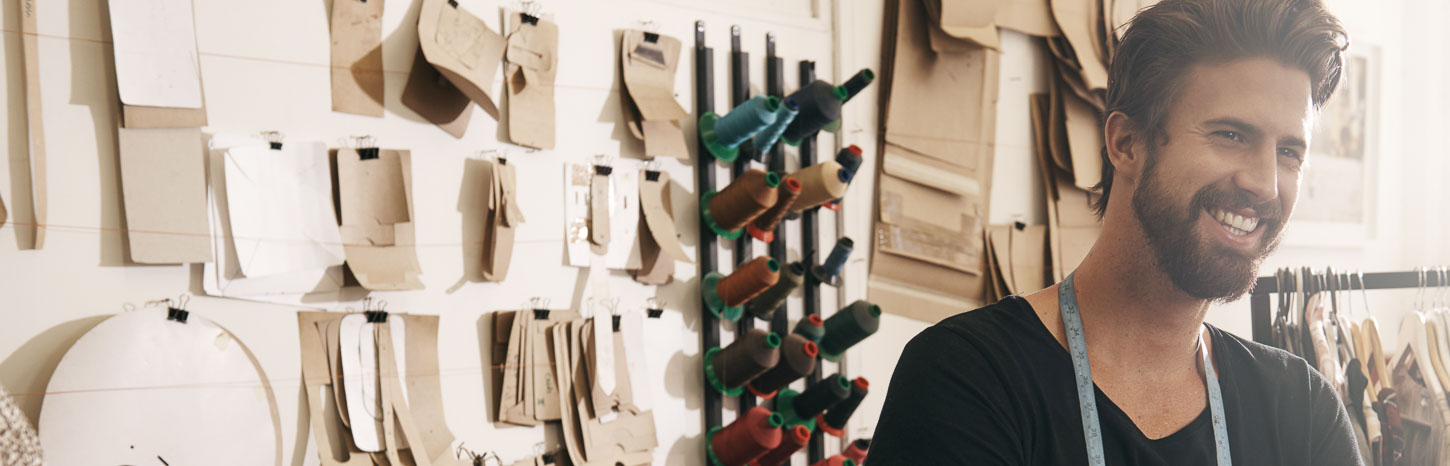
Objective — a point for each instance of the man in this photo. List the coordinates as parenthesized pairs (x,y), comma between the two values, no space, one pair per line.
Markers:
(1210,107)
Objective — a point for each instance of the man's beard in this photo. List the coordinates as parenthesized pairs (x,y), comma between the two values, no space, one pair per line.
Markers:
(1200,269)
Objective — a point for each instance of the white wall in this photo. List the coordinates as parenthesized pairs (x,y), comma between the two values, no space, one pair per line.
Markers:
(1409,203)
(265,67)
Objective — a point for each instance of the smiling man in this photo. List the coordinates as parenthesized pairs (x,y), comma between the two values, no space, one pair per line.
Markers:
(1210,106)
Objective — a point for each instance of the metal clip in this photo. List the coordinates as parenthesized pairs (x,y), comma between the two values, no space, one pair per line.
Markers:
(274,139)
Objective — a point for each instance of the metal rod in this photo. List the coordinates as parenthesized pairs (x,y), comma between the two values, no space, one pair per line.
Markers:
(704,182)
(809,234)
(739,93)
(775,85)
(1262,314)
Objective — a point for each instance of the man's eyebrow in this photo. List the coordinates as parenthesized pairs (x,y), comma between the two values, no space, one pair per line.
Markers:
(1251,130)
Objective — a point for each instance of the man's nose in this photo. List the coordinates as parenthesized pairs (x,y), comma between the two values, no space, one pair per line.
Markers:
(1259,174)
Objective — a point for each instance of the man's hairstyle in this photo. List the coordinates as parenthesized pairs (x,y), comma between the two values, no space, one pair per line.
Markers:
(1163,41)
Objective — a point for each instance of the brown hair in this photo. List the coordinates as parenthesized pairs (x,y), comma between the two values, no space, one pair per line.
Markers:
(1164,40)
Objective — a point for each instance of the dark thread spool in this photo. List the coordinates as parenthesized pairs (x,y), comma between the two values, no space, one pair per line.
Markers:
(749,437)
(792,441)
(824,394)
(763,228)
(764,306)
(798,359)
(820,104)
(858,82)
(746,120)
(744,199)
(811,327)
(830,271)
(848,327)
(850,160)
(834,419)
(857,449)
(767,137)
(747,357)
(748,281)
(836,460)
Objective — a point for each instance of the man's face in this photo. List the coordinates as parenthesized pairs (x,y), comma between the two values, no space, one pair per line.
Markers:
(1214,198)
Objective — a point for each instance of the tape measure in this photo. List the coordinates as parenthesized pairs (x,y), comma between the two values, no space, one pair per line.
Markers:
(1087,400)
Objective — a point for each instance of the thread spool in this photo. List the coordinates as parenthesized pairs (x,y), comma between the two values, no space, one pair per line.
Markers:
(729,369)
(833,421)
(763,306)
(858,82)
(750,436)
(820,183)
(763,228)
(722,135)
(829,272)
(820,104)
(848,327)
(767,137)
(798,359)
(724,294)
(857,449)
(801,408)
(794,439)
(850,159)
(811,327)
(726,212)
(836,460)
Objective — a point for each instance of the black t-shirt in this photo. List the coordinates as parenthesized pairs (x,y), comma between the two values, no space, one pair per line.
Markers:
(993,387)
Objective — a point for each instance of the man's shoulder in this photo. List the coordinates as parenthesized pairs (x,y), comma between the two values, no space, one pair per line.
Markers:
(1254,361)
(995,327)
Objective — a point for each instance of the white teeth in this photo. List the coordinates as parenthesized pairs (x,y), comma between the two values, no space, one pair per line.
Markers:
(1236,224)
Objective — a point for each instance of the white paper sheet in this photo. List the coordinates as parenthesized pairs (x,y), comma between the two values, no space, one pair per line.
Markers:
(360,382)
(138,386)
(624,253)
(156,59)
(280,207)
(631,325)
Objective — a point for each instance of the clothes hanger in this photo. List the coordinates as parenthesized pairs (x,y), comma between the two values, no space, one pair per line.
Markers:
(1380,372)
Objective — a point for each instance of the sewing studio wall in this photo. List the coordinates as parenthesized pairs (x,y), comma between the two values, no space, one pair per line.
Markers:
(267,66)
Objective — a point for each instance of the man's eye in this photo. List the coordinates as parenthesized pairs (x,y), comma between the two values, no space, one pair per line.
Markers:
(1291,153)
(1231,135)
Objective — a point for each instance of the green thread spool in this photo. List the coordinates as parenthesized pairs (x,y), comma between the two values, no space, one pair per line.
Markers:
(763,307)
(848,327)
(858,82)
(723,135)
(811,327)
(820,104)
(766,138)
(729,369)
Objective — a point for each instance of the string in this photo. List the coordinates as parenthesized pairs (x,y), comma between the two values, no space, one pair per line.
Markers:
(748,281)
(792,441)
(747,357)
(763,228)
(849,326)
(745,198)
(748,437)
(764,305)
(798,355)
(93,229)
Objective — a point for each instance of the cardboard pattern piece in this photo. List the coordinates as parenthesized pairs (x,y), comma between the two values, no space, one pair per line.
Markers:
(660,246)
(462,49)
(533,63)
(627,438)
(163,181)
(1079,20)
(4,214)
(182,378)
(223,276)
(155,49)
(35,134)
(649,69)
(358,352)
(504,215)
(971,20)
(527,391)
(377,219)
(357,57)
(431,95)
(280,208)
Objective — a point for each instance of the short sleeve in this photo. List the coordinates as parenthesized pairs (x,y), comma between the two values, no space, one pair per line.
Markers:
(946,405)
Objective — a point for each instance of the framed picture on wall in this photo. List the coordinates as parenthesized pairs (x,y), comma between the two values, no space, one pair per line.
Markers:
(1338,194)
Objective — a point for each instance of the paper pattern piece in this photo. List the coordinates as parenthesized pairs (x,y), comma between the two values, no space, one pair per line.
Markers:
(357,57)
(360,382)
(651,111)
(163,181)
(280,206)
(533,61)
(377,219)
(463,49)
(659,241)
(35,133)
(430,95)
(601,215)
(504,215)
(182,378)
(156,60)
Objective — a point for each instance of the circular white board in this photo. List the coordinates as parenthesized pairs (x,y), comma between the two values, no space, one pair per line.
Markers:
(138,387)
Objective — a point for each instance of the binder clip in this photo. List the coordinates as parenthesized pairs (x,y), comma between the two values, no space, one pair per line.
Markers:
(655,309)
(652,170)
(540,307)
(487,458)
(529,13)
(175,310)
(615,319)
(366,146)
(274,139)
(376,313)
(453,3)
(603,165)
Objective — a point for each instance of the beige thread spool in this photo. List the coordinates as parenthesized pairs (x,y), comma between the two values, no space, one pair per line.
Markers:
(820,183)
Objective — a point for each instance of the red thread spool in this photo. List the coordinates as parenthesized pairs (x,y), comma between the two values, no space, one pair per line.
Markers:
(836,460)
(747,281)
(795,439)
(749,437)
(763,228)
(857,450)
(744,199)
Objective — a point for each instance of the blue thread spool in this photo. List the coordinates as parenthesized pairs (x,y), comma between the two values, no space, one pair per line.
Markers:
(830,271)
(767,137)
(723,135)
(850,160)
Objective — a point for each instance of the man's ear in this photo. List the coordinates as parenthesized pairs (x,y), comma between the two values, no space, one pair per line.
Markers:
(1127,146)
